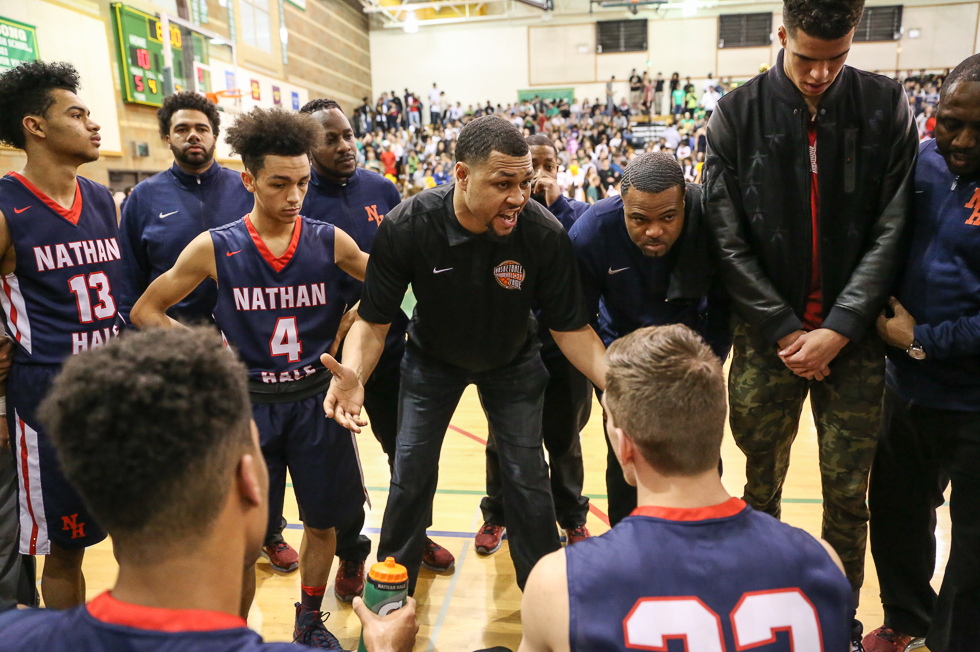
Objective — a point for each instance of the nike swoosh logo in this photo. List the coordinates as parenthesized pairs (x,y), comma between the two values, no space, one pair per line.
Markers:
(440,271)
(232,253)
(617,271)
(163,215)
(21,210)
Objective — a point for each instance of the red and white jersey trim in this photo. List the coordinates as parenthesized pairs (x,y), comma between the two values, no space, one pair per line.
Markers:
(33,525)
(18,323)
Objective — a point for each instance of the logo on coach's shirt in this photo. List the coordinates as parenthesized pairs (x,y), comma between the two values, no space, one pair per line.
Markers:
(509,274)
(372,212)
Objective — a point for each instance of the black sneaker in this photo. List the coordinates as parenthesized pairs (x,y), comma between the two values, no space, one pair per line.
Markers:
(311,631)
(857,631)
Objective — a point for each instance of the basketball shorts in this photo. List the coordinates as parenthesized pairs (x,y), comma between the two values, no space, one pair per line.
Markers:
(321,457)
(49,509)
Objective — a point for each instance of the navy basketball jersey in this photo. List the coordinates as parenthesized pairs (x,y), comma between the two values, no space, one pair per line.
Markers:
(717,579)
(59,300)
(279,313)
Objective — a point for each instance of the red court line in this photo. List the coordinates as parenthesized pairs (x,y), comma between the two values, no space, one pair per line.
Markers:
(598,513)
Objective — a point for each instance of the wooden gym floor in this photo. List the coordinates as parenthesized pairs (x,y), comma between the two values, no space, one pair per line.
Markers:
(478,603)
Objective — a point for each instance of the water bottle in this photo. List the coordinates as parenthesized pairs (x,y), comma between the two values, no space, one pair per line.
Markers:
(385,590)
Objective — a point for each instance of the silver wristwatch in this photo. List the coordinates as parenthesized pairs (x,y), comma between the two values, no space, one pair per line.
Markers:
(915,351)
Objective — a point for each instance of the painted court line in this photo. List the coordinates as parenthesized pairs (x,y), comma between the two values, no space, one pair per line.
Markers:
(434,637)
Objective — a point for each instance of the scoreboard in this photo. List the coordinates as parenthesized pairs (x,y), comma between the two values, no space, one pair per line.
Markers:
(139,37)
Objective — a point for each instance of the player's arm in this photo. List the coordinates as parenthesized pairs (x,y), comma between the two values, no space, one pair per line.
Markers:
(7,263)
(348,255)
(195,263)
(544,608)
(834,557)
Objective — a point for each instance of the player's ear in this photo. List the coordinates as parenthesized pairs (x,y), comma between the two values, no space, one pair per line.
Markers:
(252,475)
(32,125)
(248,180)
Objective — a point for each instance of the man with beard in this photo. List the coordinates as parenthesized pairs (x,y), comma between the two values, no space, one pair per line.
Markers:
(164,213)
(357,200)
(930,427)
(567,397)
(478,255)
(644,259)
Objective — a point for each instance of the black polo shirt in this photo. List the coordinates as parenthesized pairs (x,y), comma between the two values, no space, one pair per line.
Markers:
(474,295)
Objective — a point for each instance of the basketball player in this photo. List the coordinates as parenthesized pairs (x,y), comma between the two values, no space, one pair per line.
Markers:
(479,255)
(356,200)
(645,260)
(691,562)
(165,212)
(567,397)
(808,183)
(155,431)
(60,261)
(279,304)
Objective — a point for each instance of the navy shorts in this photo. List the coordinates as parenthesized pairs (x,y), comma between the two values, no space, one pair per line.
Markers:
(321,457)
(49,509)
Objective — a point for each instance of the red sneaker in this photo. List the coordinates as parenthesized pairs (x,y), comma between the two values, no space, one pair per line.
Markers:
(489,538)
(577,534)
(436,557)
(281,557)
(350,580)
(884,639)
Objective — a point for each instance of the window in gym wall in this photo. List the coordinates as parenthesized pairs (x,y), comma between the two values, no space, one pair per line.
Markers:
(621,36)
(256,30)
(744,30)
(880,24)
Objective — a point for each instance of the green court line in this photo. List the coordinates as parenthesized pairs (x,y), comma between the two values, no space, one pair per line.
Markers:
(474,492)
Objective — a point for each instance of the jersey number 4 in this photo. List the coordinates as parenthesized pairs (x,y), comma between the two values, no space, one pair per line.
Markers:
(98,281)
(285,339)
(755,620)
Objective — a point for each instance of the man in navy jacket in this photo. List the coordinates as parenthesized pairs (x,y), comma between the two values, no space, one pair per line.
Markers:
(930,430)
(644,259)
(357,200)
(165,212)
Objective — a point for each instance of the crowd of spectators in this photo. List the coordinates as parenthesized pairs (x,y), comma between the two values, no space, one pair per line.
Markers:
(412,140)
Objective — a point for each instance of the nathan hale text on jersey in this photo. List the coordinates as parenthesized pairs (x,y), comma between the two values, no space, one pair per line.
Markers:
(59,301)
(279,313)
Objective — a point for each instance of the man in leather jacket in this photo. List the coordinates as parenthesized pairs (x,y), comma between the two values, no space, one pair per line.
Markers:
(809,260)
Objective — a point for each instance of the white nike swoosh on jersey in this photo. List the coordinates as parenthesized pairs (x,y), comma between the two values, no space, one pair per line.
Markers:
(163,215)
(617,271)
(440,271)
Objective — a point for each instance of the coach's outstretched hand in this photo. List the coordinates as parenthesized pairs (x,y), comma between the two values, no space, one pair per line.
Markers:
(345,396)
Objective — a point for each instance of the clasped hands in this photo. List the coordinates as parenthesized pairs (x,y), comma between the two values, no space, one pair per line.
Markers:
(808,353)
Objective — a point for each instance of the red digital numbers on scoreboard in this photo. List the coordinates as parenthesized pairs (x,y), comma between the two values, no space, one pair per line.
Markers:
(143,58)
(138,79)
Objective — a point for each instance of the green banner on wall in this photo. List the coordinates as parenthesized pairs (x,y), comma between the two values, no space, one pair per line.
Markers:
(547,94)
(18,43)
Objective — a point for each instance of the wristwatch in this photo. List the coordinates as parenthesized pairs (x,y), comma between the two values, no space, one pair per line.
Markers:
(915,351)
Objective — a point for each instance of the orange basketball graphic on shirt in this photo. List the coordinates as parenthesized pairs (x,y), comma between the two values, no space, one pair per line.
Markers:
(509,274)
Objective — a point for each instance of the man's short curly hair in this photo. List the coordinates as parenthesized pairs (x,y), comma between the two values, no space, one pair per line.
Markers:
(26,90)
(321,104)
(540,140)
(191,101)
(827,20)
(652,172)
(149,428)
(491,133)
(278,132)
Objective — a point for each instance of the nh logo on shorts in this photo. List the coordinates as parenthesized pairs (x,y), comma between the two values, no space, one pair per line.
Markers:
(372,212)
(71,523)
(974,203)
(509,274)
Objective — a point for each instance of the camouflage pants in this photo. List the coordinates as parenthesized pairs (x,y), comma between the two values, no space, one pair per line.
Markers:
(766,400)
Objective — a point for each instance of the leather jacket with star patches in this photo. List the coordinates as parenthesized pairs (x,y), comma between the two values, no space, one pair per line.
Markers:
(757,198)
